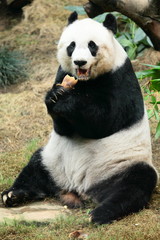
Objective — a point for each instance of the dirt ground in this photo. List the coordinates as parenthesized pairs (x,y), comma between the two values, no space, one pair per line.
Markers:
(23,114)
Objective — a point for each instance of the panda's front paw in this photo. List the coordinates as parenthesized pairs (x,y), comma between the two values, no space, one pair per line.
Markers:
(54,94)
(12,197)
(101,216)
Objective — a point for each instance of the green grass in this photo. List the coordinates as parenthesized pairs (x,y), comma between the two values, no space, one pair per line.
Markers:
(130,228)
(13,162)
(31,147)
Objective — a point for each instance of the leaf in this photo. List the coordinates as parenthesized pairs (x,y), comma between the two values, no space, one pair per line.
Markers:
(157,131)
(129,37)
(132,52)
(150,113)
(149,41)
(156,80)
(140,48)
(156,113)
(100,18)
(147,90)
(146,97)
(144,74)
(153,98)
(124,41)
(79,9)
(155,84)
(154,72)
(153,66)
(139,35)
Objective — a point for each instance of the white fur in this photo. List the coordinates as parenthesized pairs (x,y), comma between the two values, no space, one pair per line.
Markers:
(77,163)
(110,55)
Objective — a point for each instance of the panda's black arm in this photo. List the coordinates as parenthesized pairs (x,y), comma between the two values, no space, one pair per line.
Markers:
(61,126)
(75,112)
(56,105)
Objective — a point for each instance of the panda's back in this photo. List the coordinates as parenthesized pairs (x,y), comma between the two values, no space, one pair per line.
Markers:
(77,163)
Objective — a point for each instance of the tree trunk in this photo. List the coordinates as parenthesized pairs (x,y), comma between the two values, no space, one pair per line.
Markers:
(144,14)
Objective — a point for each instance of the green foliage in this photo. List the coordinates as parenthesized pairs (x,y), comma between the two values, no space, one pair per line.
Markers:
(152,91)
(12,67)
(131,37)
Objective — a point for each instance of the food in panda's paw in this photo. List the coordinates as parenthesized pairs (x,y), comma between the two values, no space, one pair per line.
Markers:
(68,82)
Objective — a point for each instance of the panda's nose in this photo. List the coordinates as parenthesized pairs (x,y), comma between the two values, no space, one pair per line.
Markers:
(80,63)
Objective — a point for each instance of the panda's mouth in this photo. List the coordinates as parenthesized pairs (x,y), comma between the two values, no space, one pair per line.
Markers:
(83,74)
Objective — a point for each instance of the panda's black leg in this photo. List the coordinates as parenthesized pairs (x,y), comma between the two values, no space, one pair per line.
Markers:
(123,194)
(33,183)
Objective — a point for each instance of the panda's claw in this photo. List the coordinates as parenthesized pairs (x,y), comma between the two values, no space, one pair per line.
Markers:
(10,194)
(4,199)
(53,100)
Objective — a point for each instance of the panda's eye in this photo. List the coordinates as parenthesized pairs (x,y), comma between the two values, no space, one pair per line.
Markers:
(71,48)
(93,48)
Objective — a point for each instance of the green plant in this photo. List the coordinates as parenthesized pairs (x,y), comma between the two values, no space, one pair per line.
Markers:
(12,67)
(131,37)
(152,91)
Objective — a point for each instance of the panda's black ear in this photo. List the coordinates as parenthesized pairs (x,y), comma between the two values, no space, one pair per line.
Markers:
(110,23)
(73,17)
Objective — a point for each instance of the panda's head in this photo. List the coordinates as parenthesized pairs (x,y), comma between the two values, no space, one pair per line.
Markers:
(88,49)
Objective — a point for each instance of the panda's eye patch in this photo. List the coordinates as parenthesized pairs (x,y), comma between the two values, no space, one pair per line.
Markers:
(71,48)
(93,48)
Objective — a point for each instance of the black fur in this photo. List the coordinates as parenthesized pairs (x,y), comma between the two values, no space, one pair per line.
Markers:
(93,48)
(33,183)
(110,23)
(124,193)
(73,17)
(71,48)
(96,108)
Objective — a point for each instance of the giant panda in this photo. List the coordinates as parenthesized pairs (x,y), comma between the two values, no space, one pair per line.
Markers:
(100,147)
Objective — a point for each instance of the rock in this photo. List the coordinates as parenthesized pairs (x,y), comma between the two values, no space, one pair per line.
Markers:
(39,211)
